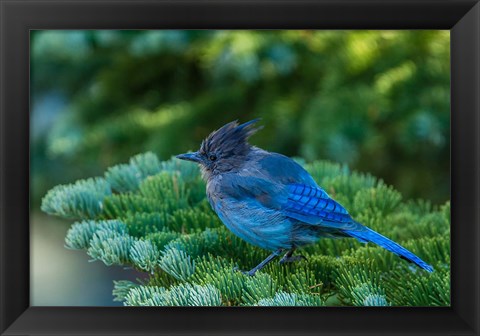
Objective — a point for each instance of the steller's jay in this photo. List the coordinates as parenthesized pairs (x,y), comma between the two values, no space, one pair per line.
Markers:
(270,201)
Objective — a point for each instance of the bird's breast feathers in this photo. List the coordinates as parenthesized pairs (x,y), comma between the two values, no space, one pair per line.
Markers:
(248,209)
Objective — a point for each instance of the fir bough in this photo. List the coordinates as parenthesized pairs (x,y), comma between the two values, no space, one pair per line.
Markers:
(153,216)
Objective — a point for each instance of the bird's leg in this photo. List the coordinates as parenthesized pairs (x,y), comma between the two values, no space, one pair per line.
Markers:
(263,263)
(289,258)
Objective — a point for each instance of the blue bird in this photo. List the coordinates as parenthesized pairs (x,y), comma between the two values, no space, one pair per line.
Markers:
(270,201)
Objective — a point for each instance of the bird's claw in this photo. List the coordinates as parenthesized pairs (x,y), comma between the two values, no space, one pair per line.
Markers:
(249,273)
(286,259)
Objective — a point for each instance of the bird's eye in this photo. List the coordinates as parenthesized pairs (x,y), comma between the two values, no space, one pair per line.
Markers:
(212,157)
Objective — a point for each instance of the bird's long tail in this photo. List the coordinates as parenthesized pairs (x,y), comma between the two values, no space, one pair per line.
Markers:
(368,235)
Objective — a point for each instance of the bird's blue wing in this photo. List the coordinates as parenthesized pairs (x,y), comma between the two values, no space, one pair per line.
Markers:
(277,182)
(312,205)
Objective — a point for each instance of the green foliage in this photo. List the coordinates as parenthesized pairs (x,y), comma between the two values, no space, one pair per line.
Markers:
(291,299)
(81,200)
(181,295)
(420,290)
(145,255)
(111,247)
(79,235)
(359,283)
(123,177)
(144,296)
(127,177)
(121,288)
(378,101)
(260,287)
(380,199)
(161,225)
(177,263)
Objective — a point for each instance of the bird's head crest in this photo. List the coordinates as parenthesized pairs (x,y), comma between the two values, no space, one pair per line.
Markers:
(231,139)
(223,150)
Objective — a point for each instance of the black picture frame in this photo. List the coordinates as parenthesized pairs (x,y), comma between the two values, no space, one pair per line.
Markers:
(18,17)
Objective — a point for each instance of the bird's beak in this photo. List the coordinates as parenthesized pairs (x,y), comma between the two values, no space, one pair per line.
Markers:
(195,157)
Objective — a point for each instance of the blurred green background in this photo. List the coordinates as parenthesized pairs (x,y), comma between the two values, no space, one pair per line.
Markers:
(378,101)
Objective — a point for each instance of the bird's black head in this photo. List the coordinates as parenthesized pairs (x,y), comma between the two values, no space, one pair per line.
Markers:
(224,149)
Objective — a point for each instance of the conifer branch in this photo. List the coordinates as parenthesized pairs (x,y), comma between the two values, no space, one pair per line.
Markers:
(158,221)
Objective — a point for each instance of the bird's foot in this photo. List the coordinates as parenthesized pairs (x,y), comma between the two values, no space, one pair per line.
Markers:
(288,259)
(262,264)
(249,273)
